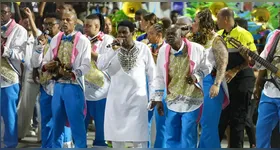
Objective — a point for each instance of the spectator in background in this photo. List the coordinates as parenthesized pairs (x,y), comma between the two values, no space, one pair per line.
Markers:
(114,10)
(108,26)
(174,16)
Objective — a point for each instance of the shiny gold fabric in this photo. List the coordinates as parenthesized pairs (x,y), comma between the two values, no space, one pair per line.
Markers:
(7,71)
(95,76)
(276,60)
(178,69)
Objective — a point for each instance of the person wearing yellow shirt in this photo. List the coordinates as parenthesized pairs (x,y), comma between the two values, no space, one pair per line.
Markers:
(239,76)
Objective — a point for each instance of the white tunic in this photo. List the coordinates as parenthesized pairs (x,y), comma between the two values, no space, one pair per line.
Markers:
(126,108)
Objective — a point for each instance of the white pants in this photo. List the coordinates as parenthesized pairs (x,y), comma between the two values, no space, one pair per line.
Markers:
(26,104)
(135,144)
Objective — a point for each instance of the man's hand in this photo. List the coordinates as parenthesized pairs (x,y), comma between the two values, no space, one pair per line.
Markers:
(66,71)
(35,75)
(117,43)
(214,90)
(28,12)
(52,66)
(257,92)
(230,74)
(159,107)
(191,79)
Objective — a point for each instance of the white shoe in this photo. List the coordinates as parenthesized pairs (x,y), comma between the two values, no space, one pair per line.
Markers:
(68,144)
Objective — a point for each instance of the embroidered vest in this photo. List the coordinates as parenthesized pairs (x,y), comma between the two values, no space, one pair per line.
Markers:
(276,60)
(95,76)
(8,72)
(179,67)
(45,76)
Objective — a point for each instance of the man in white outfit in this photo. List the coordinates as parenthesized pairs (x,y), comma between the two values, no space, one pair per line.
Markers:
(126,107)
(13,44)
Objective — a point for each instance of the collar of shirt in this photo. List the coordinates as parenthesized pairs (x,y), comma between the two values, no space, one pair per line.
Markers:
(5,26)
(174,52)
(69,37)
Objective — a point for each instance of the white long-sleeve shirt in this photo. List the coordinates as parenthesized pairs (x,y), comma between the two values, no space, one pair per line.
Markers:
(14,49)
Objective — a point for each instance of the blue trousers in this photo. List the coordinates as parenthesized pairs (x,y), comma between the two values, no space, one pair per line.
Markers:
(9,102)
(160,125)
(96,110)
(47,122)
(181,129)
(268,117)
(210,118)
(68,103)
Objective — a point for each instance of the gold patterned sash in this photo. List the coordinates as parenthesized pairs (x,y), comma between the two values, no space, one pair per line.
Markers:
(7,72)
(178,69)
(276,60)
(95,76)
(45,76)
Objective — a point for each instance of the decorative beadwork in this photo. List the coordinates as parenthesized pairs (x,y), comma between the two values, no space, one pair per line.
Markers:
(128,58)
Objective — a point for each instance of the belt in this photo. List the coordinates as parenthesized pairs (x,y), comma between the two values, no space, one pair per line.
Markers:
(67,81)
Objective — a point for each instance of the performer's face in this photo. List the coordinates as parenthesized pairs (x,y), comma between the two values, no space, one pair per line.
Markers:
(143,24)
(125,34)
(195,25)
(173,36)
(5,14)
(153,35)
(69,22)
(91,27)
(26,24)
(52,25)
(108,26)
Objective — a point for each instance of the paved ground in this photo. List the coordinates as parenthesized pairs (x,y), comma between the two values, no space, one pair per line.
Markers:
(31,142)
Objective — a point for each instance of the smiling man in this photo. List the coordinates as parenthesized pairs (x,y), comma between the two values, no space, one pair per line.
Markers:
(68,60)
(126,107)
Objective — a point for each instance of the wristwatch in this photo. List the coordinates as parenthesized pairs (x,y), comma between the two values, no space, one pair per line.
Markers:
(216,84)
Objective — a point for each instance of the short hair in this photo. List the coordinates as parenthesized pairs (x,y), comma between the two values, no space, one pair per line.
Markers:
(226,12)
(184,20)
(24,16)
(100,17)
(9,4)
(151,17)
(128,24)
(52,15)
(72,13)
(242,23)
(141,12)
(162,25)
(174,12)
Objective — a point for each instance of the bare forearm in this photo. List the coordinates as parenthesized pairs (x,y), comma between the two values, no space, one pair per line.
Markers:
(221,57)
(259,80)
(33,26)
(94,56)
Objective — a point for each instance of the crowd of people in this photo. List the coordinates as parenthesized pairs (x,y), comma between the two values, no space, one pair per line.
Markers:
(184,73)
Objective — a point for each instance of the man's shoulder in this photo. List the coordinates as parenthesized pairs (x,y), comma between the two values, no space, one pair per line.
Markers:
(20,28)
